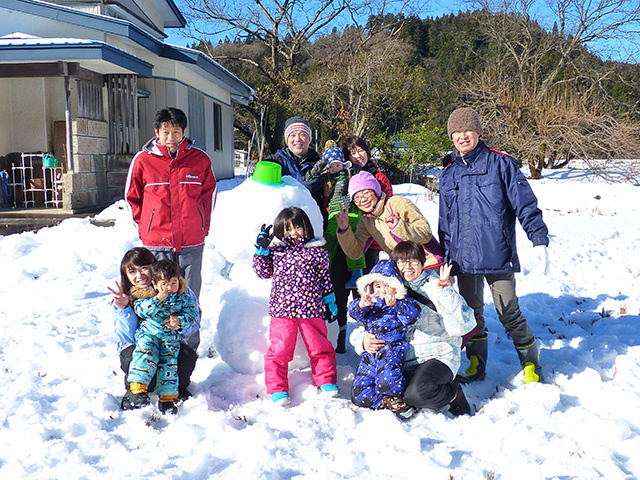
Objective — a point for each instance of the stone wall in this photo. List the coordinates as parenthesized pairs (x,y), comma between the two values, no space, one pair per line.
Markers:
(117,169)
(98,178)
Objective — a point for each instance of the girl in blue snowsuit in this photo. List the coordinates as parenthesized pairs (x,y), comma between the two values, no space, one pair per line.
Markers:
(157,345)
(384,312)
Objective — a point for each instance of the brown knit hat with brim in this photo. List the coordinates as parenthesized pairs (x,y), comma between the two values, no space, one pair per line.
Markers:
(464,120)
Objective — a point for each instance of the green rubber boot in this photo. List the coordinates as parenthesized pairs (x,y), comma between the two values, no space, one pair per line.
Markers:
(530,361)
(477,354)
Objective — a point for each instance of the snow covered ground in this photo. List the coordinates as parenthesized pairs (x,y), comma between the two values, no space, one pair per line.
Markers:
(61,380)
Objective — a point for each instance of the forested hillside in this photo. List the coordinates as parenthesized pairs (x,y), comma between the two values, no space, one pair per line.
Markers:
(543,95)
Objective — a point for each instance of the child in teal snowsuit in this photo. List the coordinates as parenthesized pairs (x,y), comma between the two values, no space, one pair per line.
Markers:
(163,311)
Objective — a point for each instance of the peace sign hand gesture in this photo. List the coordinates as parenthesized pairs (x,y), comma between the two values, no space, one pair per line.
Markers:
(391,219)
(445,279)
(366,299)
(342,218)
(120,299)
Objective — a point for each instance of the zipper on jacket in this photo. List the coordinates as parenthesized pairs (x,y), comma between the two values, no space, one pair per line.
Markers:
(201,218)
(153,212)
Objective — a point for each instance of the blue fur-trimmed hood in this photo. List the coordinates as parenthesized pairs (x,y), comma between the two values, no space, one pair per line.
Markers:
(384,271)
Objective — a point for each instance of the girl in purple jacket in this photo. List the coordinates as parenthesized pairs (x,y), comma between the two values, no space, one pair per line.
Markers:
(301,288)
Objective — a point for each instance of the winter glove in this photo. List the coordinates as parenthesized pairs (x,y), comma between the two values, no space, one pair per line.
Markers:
(264,240)
(328,316)
(542,259)
(330,302)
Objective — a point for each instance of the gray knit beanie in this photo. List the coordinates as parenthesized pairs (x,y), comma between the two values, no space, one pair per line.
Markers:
(295,124)
(464,120)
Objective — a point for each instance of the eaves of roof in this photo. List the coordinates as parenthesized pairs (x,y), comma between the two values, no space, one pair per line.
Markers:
(240,91)
(243,93)
(109,58)
(93,21)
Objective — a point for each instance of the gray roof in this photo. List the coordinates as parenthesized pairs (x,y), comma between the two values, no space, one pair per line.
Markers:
(240,91)
(98,56)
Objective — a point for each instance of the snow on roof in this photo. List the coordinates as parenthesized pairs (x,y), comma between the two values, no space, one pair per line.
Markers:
(18,35)
(24,39)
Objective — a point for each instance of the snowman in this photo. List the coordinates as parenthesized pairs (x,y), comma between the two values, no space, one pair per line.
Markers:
(242,334)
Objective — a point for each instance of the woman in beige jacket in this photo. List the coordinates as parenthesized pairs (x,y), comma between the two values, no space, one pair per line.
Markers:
(388,221)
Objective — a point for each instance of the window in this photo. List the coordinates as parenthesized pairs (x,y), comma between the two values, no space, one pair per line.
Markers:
(196,127)
(90,104)
(217,126)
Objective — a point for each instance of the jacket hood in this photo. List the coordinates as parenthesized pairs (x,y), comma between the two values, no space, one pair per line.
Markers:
(136,293)
(316,242)
(154,149)
(384,271)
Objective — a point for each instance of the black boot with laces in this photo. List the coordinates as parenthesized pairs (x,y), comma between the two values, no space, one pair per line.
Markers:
(133,401)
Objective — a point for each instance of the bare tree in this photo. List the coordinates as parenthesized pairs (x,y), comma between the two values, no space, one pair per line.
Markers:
(569,123)
(355,76)
(542,92)
(284,30)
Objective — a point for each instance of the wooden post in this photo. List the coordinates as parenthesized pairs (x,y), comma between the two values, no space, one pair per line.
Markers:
(67,114)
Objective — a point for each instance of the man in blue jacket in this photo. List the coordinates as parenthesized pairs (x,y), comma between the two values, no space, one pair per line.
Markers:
(482,192)
(297,158)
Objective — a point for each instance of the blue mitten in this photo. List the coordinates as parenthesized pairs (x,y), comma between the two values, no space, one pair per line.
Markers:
(330,302)
(264,240)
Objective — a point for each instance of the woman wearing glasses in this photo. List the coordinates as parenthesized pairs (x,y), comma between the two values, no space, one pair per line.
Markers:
(435,339)
(387,221)
(357,151)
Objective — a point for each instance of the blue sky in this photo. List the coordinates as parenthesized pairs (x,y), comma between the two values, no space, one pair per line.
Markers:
(435,9)
(621,51)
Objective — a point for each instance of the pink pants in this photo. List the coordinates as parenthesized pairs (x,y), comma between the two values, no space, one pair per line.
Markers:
(283,333)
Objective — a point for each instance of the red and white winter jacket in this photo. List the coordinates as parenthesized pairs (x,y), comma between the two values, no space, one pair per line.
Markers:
(171,199)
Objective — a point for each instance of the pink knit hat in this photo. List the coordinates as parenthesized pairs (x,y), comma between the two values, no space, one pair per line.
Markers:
(364,181)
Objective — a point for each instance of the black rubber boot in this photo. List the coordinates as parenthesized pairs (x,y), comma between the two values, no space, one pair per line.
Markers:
(459,405)
(167,408)
(530,361)
(341,345)
(476,351)
(132,401)
(183,394)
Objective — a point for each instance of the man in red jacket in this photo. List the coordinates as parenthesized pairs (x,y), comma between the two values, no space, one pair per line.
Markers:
(171,191)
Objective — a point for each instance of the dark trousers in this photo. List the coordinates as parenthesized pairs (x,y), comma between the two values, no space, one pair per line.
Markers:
(430,386)
(190,261)
(371,257)
(503,290)
(340,275)
(186,363)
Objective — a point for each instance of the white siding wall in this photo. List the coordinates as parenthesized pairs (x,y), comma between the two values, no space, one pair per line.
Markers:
(5,116)
(173,94)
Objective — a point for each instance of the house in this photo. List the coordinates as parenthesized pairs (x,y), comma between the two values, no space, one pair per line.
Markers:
(82,80)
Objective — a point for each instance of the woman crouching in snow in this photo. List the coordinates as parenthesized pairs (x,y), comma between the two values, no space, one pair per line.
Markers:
(435,340)
(135,271)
